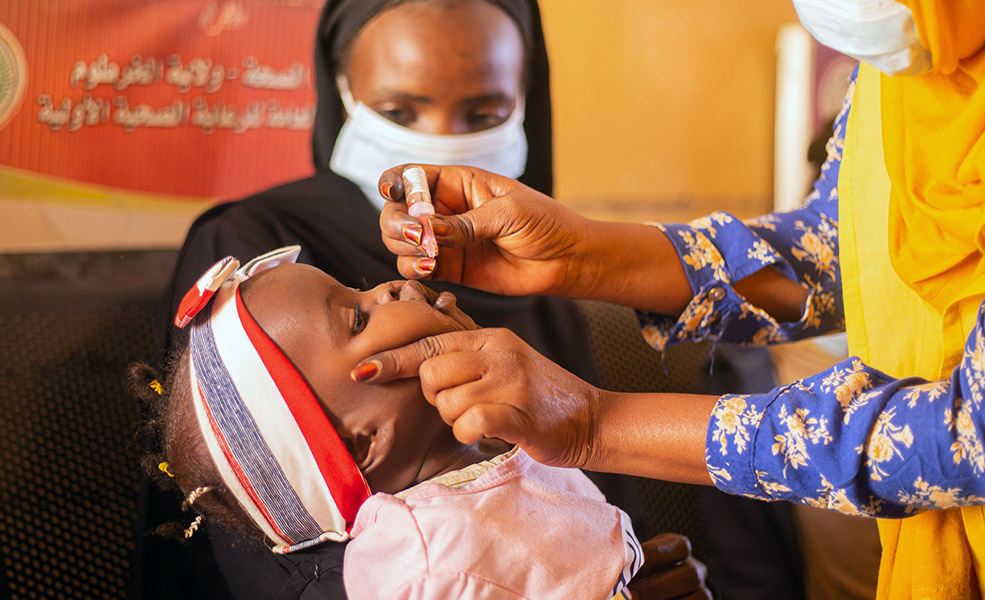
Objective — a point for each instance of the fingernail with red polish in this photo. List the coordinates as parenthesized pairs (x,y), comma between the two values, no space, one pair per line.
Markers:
(385,190)
(413,233)
(425,265)
(365,371)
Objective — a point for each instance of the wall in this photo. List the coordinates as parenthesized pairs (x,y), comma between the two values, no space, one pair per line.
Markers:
(664,110)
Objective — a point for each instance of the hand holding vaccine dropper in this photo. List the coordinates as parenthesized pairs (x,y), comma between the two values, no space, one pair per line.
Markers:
(419,206)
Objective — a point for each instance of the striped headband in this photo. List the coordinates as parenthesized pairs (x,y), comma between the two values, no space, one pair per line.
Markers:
(266,432)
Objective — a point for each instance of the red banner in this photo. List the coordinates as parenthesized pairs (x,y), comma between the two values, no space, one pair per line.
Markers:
(198,98)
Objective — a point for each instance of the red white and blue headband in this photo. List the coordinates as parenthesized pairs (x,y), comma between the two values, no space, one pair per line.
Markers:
(266,432)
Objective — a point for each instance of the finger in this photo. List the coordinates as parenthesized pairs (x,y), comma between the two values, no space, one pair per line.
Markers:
(401,232)
(454,401)
(679,582)
(701,594)
(416,267)
(501,421)
(394,219)
(408,244)
(404,362)
(702,570)
(401,248)
(454,189)
(666,549)
(486,221)
(391,182)
(449,372)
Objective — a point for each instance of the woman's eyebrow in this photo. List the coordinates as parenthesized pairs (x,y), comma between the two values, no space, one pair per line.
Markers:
(494,97)
(389,94)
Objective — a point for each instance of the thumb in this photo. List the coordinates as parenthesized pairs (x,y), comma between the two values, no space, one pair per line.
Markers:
(405,362)
(483,222)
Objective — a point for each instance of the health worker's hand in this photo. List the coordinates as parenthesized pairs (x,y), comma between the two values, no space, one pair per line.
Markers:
(669,571)
(490,383)
(494,233)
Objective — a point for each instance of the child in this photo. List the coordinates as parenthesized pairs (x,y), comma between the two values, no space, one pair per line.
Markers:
(264,430)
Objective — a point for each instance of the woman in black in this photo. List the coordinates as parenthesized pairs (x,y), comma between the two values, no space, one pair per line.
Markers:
(475,67)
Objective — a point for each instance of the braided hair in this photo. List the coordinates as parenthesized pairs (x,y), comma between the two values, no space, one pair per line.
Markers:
(178,459)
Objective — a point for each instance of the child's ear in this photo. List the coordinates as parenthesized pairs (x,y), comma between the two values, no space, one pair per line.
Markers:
(360,447)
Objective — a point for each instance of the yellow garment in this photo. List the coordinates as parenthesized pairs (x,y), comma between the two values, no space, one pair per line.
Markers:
(912,216)
(937,554)
(934,147)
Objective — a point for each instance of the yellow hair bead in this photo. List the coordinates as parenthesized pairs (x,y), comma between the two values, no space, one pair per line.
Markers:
(157,387)
(163,467)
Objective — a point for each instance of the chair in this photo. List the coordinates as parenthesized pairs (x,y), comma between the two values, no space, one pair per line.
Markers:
(626,363)
(70,324)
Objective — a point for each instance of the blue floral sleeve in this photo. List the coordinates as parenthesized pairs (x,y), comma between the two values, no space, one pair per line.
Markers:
(719,250)
(856,440)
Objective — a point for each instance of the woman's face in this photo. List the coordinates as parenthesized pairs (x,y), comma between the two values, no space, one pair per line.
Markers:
(326,329)
(450,70)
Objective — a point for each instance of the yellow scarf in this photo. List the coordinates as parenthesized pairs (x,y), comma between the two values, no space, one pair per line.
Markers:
(935,154)
(912,211)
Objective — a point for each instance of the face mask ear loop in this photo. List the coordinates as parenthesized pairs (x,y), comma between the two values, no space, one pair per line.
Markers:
(520,107)
(342,82)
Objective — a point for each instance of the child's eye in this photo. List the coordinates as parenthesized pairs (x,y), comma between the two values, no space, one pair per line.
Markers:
(359,320)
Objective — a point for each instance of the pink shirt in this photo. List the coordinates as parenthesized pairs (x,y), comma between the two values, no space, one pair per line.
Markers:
(519,530)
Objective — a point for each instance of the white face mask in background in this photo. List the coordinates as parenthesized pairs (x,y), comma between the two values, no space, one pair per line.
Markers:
(878,32)
(369,144)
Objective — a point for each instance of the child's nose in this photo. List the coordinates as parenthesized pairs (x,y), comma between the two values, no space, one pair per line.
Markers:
(412,290)
(386,292)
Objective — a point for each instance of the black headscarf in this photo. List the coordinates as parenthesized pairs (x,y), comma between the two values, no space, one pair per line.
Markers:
(342,20)
(337,227)
(338,231)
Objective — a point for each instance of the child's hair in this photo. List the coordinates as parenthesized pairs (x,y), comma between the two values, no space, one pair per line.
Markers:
(179,459)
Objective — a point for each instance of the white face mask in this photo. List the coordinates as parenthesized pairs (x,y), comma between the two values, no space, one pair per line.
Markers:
(878,32)
(369,144)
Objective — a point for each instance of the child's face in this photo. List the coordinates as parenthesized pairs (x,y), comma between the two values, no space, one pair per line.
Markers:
(326,329)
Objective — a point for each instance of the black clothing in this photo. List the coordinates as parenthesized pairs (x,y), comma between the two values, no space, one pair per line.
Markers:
(338,231)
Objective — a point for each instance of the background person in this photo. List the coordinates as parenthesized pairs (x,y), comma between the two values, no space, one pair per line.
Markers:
(492,63)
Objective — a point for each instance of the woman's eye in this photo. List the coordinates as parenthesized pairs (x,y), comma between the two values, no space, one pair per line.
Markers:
(359,320)
(486,120)
(400,116)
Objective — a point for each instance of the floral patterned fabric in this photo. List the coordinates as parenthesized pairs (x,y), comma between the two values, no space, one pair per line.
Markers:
(721,249)
(850,438)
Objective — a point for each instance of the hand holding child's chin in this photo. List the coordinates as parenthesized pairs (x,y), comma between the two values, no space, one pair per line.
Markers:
(490,383)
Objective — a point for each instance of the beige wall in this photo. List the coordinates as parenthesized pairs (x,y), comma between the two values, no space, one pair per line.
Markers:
(663,108)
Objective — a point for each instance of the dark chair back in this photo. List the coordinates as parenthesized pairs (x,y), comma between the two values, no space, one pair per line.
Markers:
(626,363)
(70,325)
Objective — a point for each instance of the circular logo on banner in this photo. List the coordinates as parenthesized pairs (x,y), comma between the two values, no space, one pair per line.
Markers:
(13,75)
